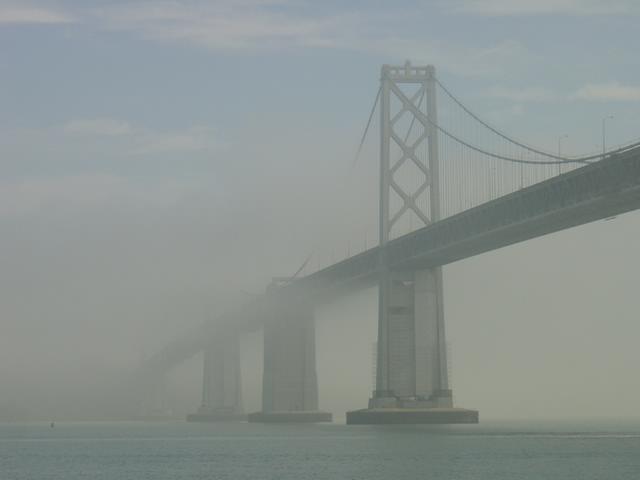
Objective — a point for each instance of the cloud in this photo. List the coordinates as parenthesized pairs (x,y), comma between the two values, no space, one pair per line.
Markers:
(239,26)
(32,15)
(462,60)
(98,127)
(612,91)
(249,26)
(137,140)
(542,7)
(81,192)
(195,139)
(506,115)
(527,94)
(227,25)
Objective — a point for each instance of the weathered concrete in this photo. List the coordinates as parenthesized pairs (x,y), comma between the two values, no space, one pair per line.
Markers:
(290,383)
(412,384)
(411,362)
(221,385)
(380,416)
(215,415)
(290,417)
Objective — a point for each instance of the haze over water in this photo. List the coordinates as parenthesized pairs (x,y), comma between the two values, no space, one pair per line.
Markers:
(162,161)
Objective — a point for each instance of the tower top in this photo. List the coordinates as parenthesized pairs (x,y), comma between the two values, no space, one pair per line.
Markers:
(407,72)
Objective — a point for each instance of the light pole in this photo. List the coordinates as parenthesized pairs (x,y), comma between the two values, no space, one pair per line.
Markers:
(560,150)
(604,143)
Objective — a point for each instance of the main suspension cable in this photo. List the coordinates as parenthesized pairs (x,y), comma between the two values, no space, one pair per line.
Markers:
(560,159)
(366,129)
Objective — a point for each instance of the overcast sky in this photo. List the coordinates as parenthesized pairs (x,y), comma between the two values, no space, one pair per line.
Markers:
(159,158)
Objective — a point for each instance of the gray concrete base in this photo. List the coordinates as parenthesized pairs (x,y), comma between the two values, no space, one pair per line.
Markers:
(220,414)
(216,417)
(382,416)
(291,417)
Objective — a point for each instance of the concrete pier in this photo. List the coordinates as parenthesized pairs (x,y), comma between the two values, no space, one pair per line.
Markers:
(289,382)
(385,416)
(221,387)
(291,417)
(411,370)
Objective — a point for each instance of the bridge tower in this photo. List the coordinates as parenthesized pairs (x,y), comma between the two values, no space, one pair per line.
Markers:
(289,379)
(411,374)
(221,380)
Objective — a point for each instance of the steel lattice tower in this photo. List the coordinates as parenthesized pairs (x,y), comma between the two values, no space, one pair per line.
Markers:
(412,364)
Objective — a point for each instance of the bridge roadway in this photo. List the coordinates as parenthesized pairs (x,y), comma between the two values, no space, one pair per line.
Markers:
(593,192)
(596,191)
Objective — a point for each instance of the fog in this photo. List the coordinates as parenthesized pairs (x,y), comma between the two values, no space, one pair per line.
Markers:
(135,207)
(89,289)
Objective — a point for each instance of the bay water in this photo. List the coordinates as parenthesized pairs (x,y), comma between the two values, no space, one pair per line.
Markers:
(605,450)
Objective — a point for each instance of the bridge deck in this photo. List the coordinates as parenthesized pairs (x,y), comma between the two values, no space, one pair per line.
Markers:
(589,193)
(593,192)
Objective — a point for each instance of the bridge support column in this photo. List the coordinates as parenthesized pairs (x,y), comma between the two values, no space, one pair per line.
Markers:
(151,395)
(411,382)
(221,386)
(289,382)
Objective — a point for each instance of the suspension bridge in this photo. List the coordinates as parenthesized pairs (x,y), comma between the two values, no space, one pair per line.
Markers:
(451,186)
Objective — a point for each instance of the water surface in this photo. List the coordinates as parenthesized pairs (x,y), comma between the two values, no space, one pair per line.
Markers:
(177,450)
